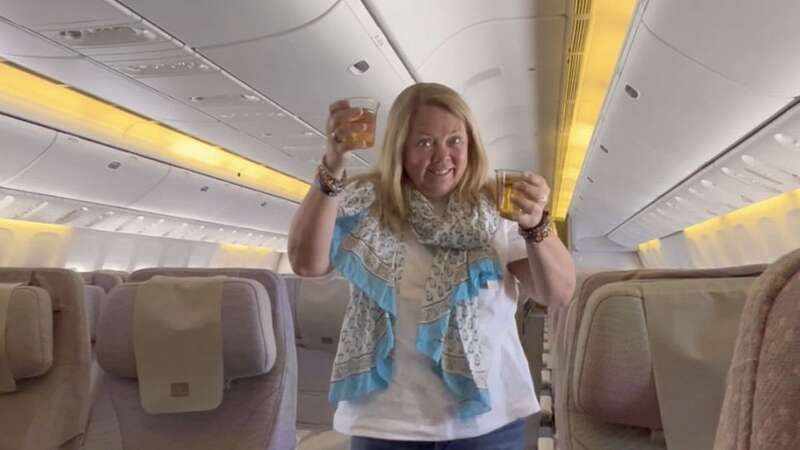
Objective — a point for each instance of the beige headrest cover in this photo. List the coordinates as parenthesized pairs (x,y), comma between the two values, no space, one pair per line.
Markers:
(248,339)
(29,332)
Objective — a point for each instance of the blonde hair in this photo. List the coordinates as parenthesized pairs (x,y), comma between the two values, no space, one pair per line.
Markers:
(387,174)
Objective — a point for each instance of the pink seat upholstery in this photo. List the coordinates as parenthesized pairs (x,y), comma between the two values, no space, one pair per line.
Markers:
(577,430)
(50,406)
(761,410)
(257,412)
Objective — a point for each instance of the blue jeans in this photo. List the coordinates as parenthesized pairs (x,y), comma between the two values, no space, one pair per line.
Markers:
(509,437)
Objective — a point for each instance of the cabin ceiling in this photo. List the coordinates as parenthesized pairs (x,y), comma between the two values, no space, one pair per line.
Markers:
(195,65)
(256,77)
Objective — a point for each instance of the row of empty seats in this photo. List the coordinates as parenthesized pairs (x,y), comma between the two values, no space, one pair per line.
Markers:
(640,359)
(69,392)
(603,360)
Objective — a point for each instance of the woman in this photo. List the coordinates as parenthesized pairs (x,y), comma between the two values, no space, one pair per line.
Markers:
(429,352)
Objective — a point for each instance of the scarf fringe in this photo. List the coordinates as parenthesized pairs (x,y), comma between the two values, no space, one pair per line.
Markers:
(376,379)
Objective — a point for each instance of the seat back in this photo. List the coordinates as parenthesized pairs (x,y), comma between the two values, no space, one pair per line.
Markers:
(50,406)
(94,295)
(320,304)
(572,424)
(104,279)
(761,411)
(275,424)
(250,400)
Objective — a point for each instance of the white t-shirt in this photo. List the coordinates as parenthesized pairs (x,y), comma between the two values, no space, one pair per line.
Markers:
(417,405)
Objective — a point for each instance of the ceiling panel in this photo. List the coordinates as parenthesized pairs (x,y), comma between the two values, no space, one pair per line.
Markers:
(420,26)
(81,169)
(306,82)
(208,22)
(15,40)
(683,117)
(21,144)
(45,14)
(750,42)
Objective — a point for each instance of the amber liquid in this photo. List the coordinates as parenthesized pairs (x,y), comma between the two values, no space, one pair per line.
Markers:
(362,138)
(505,191)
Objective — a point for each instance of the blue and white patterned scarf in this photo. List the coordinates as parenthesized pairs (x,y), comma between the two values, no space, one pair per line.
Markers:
(371,257)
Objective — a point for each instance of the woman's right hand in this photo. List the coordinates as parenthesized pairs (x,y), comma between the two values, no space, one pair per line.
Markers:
(342,120)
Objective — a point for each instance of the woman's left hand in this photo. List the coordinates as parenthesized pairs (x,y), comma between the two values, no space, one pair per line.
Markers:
(530,196)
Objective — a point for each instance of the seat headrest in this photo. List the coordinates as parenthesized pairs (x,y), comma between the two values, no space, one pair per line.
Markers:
(29,332)
(248,338)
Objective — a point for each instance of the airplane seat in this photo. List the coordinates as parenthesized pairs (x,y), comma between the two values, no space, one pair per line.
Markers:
(760,409)
(253,409)
(284,373)
(44,371)
(620,348)
(95,296)
(321,303)
(292,286)
(103,279)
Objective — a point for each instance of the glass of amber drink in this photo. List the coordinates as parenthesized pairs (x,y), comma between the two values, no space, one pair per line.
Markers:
(505,190)
(369,107)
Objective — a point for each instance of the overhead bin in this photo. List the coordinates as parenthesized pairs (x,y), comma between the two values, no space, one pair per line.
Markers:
(751,43)
(251,209)
(667,113)
(80,169)
(21,143)
(186,194)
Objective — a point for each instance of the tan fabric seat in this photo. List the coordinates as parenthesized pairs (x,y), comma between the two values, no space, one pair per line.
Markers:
(106,280)
(50,406)
(94,295)
(320,305)
(257,412)
(578,429)
(248,352)
(762,403)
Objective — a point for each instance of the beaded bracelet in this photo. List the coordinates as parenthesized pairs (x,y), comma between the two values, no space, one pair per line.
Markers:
(539,232)
(328,184)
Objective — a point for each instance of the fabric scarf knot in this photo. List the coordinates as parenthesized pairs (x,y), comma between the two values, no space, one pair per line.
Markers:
(371,257)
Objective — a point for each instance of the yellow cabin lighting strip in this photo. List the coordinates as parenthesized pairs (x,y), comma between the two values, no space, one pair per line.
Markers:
(749,215)
(597,34)
(43,101)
